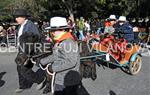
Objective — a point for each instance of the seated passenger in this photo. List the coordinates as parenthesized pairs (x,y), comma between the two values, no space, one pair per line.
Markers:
(109,24)
(125,28)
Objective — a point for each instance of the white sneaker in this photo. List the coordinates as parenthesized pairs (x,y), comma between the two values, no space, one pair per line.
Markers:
(18,90)
(40,86)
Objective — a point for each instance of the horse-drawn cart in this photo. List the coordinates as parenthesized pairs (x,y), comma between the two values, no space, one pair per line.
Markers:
(117,52)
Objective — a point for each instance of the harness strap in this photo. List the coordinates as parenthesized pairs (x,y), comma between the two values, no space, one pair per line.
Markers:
(52,74)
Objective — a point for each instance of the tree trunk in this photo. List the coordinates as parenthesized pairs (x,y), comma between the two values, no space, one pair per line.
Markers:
(70,10)
(71,15)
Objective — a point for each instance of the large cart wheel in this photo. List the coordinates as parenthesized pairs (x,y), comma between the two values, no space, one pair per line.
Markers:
(135,66)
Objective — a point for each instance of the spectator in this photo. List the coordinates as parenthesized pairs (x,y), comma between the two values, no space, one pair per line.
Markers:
(87,27)
(125,28)
(98,27)
(11,30)
(81,28)
(76,28)
(70,22)
(3,34)
(45,24)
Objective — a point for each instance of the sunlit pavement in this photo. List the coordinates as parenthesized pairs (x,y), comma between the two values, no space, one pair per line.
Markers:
(109,81)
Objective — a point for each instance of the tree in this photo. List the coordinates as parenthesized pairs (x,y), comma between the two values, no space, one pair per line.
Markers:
(77,8)
(6,10)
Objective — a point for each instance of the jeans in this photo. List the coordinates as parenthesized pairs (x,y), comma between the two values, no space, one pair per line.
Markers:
(81,36)
(99,31)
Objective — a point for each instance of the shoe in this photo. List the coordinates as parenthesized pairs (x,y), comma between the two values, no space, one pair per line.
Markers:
(41,85)
(18,90)
(47,89)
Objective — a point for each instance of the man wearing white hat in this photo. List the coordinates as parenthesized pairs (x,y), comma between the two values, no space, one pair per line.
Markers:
(125,28)
(65,58)
(112,20)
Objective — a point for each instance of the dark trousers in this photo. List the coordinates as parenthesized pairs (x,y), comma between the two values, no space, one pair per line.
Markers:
(23,82)
(73,90)
(3,39)
(27,76)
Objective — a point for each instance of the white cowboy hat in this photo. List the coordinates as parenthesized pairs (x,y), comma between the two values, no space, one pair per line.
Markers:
(58,23)
(112,17)
(122,18)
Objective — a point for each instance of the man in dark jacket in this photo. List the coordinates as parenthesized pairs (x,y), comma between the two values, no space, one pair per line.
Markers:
(125,28)
(65,58)
(25,73)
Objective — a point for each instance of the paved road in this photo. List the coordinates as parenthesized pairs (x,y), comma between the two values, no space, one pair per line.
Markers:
(108,82)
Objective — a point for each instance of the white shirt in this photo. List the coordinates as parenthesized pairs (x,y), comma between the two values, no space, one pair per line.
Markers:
(21,30)
(87,25)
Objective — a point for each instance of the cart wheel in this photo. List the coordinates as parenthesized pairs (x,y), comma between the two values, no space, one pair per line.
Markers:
(81,68)
(135,67)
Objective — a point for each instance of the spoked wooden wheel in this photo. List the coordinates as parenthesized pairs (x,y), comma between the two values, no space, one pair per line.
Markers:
(135,66)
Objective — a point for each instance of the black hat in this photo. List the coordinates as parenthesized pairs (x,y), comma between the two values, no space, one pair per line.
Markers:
(21,13)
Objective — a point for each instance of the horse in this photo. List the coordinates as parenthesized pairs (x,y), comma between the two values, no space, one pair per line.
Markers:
(88,67)
(32,49)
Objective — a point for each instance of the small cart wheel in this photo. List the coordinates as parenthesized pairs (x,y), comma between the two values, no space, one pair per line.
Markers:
(135,66)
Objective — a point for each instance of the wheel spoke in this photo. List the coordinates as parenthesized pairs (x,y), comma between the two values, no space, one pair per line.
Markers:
(135,66)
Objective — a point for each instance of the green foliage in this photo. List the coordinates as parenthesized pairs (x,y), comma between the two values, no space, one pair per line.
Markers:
(5,10)
(86,8)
